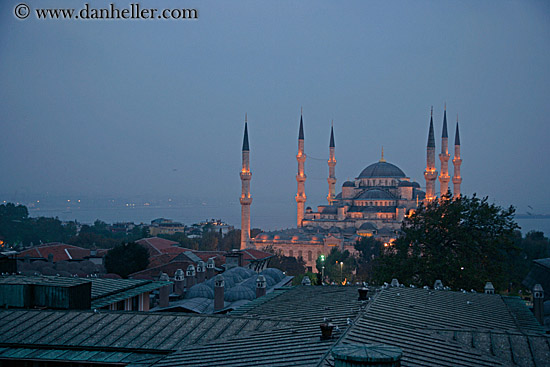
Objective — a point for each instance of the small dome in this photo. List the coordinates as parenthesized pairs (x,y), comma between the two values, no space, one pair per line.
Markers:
(239,292)
(276,274)
(348,184)
(367,226)
(376,194)
(200,290)
(382,169)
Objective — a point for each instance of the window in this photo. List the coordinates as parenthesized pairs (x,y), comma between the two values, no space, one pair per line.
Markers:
(290,253)
(299,253)
(309,256)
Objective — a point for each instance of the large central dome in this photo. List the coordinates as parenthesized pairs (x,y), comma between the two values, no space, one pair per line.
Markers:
(382,169)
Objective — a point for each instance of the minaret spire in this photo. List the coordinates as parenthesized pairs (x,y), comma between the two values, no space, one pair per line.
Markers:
(246,199)
(331,167)
(444,157)
(430,174)
(457,161)
(301,176)
(382,160)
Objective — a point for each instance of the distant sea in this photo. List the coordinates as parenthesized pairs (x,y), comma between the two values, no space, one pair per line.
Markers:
(269,217)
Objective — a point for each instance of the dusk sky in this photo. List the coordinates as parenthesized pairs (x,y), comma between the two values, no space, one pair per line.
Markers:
(155,108)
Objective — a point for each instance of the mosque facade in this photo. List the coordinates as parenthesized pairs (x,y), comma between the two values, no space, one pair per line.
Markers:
(374,204)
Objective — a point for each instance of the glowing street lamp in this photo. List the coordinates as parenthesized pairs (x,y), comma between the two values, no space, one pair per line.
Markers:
(322,257)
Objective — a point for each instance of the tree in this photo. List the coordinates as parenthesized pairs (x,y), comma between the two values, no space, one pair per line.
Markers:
(464,242)
(369,250)
(339,266)
(290,265)
(126,258)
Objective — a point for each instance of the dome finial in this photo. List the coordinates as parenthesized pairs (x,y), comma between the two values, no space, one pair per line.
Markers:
(382,160)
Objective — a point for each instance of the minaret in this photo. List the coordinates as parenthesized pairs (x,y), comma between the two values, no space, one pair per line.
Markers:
(301,177)
(457,161)
(444,177)
(246,199)
(331,165)
(430,174)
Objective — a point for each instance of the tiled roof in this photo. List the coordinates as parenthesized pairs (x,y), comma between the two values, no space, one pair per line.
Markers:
(60,252)
(157,245)
(135,338)
(444,328)
(433,328)
(169,268)
(296,342)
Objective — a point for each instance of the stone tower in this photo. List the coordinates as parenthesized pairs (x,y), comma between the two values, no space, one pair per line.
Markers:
(331,168)
(430,174)
(444,177)
(301,176)
(246,199)
(457,161)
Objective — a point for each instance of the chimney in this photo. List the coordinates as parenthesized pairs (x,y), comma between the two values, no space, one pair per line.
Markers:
(538,303)
(50,258)
(394,283)
(190,277)
(438,285)
(179,282)
(363,292)
(261,286)
(219,285)
(210,268)
(352,355)
(200,271)
(306,280)
(489,289)
(164,292)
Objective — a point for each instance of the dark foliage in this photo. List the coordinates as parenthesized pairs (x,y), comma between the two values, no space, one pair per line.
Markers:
(338,266)
(290,265)
(126,258)
(369,250)
(465,242)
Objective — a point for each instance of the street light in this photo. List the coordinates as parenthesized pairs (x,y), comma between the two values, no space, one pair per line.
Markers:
(341,268)
(322,257)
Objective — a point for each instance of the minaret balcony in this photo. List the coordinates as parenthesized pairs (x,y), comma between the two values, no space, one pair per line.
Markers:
(246,176)
(430,175)
(246,201)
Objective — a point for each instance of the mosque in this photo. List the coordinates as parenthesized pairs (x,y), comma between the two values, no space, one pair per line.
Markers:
(374,204)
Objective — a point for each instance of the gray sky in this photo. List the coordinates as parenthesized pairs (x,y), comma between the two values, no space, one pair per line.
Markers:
(157,107)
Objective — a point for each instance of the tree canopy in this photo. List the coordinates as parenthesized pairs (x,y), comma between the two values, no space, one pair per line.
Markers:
(126,258)
(290,265)
(465,242)
(339,266)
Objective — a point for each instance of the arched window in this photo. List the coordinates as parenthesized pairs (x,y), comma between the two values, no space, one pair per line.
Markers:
(290,253)
(309,256)
(299,253)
